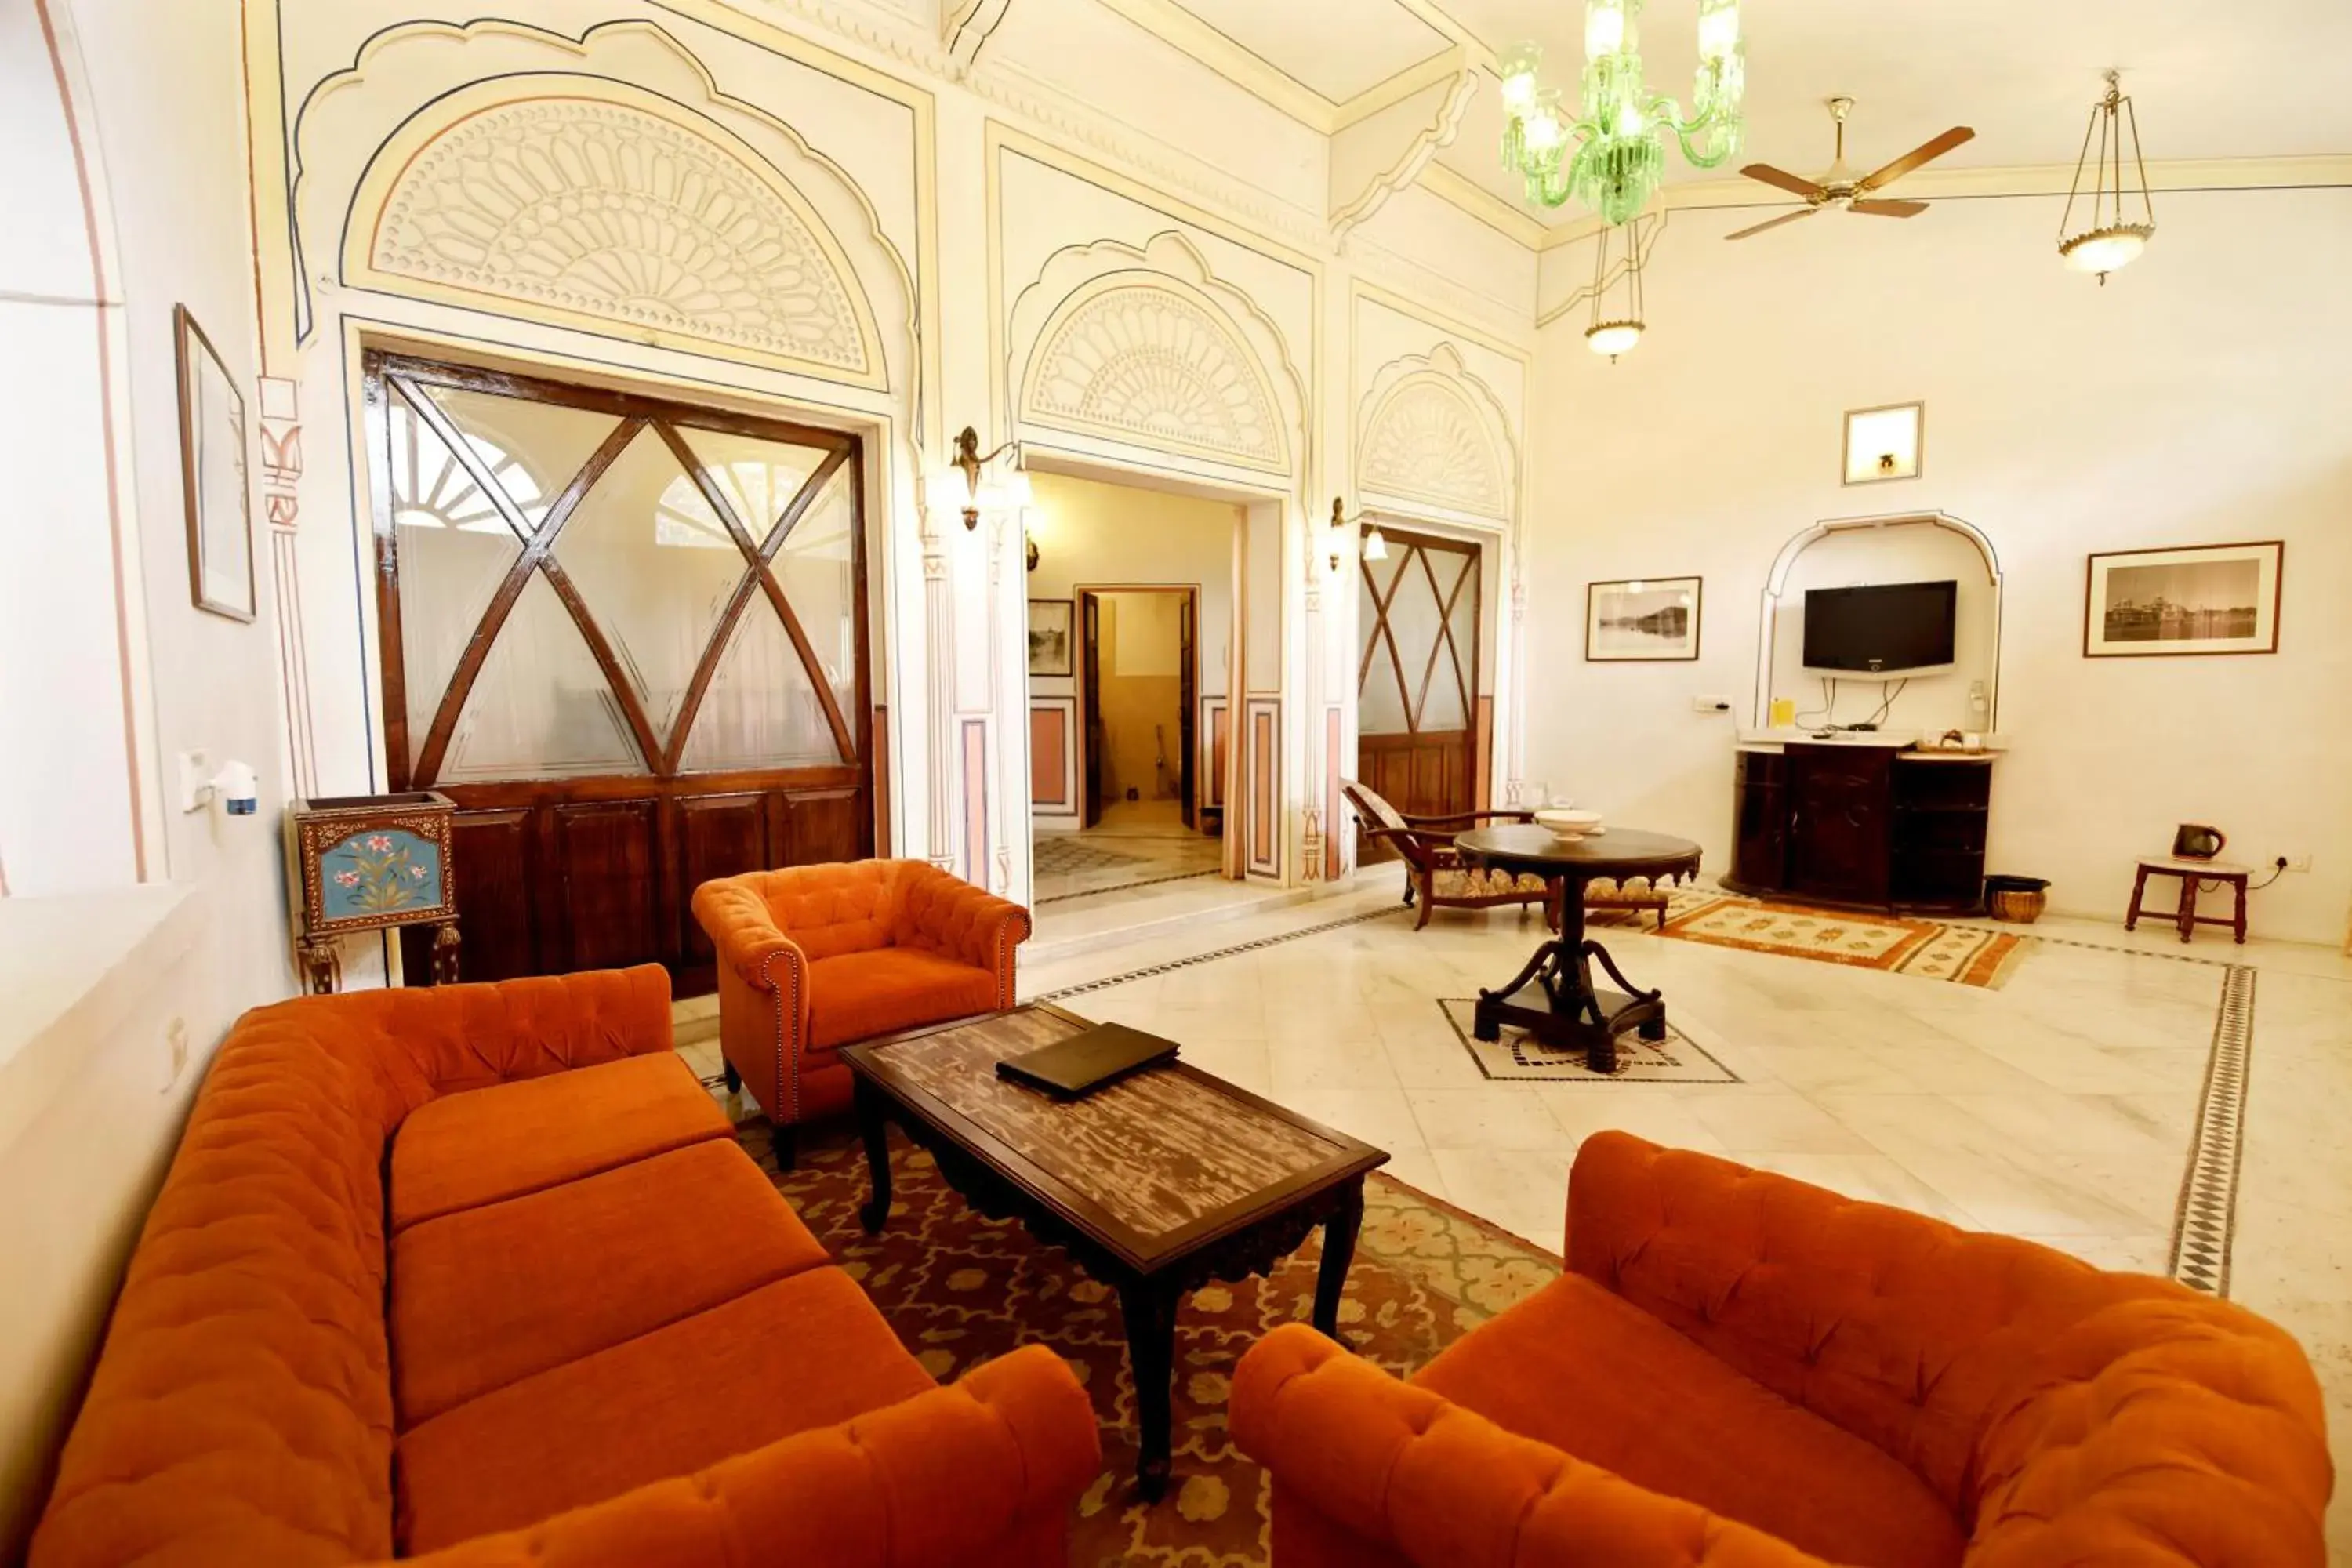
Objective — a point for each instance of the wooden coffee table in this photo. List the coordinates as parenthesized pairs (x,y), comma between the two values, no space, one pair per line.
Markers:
(1157,1184)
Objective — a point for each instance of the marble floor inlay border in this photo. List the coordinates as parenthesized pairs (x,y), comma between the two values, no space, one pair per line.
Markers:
(1123,888)
(1065,992)
(2204,1226)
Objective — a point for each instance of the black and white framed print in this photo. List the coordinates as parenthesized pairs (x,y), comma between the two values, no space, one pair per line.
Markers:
(1641,618)
(1049,636)
(2203,598)
(212,472)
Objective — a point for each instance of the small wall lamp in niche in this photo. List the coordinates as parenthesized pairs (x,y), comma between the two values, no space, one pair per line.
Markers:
(1884,444)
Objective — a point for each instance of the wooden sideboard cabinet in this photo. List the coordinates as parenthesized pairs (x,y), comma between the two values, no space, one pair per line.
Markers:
(1869,825)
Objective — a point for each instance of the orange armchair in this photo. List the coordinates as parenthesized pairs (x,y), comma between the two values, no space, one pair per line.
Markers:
(813,958)
(1741,1371)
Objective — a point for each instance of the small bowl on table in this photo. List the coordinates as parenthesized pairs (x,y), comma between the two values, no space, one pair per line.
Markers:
(1568,826)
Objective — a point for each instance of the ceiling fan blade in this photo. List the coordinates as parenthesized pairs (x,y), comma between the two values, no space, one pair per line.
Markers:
(1774,223)
(1889,209)
(1785,180)
(1924,153)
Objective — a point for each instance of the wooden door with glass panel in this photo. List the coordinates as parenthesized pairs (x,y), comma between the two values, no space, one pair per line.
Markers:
(1417,681)
(628,637)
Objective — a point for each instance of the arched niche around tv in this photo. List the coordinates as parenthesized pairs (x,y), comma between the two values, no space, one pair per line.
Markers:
(1900,547)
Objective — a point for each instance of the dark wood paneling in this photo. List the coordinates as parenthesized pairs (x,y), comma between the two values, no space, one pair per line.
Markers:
(495,854)
(827,825)
(718,836)
(607,852)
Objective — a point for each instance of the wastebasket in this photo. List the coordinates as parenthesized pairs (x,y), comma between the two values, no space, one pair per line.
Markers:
(2017,900)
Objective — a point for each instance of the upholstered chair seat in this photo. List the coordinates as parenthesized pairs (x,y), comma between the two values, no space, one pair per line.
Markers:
(813,958)
(1740,1371)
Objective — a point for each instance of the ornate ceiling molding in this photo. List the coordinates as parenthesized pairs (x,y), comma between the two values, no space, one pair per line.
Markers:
(1419,144)
(1433,434)
(1145,349)
(965,26)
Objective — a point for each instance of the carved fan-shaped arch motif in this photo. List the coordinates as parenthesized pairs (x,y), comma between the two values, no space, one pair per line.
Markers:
(612,212)
(1141,360)
(1425,444)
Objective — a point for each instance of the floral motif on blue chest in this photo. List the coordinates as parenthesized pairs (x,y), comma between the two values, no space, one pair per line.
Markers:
(378,871)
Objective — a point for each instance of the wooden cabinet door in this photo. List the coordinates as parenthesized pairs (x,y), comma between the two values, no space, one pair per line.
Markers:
(1839,845)
(628,637)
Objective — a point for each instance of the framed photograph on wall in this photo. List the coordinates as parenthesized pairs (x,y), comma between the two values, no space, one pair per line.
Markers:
(1049,636)
(212,472)
(1640,619)
(2203,598)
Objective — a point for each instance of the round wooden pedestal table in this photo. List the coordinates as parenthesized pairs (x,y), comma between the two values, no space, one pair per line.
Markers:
(1553,997)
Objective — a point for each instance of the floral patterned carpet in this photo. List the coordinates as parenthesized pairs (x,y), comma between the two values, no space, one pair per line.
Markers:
(1929,950)
(959,1288)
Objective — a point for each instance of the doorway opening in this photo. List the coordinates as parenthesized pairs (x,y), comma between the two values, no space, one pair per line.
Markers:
(1138,622)
(1422,729)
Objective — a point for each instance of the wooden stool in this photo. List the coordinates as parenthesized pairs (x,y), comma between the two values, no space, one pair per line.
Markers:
(2194,875)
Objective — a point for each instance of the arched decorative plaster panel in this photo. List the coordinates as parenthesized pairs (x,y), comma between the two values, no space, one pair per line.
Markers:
(611,207)
(1432,436)
(610,211)
(602,184)
(1146,349)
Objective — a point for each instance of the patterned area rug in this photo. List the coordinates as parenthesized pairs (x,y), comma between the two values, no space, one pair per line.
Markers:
(1928,949)
(959,1289)
(1063,855)
(1519,1055)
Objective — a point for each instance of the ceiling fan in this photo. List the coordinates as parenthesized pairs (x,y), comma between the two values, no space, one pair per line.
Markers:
(1837,187)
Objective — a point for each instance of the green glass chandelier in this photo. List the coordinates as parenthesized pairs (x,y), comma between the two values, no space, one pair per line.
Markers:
(1613,155)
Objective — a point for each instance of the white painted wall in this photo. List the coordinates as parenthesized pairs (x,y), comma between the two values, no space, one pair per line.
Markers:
(93,1103)
(2196,399)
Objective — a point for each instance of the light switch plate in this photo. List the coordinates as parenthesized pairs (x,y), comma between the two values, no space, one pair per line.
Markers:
(196,779)
(1710,704)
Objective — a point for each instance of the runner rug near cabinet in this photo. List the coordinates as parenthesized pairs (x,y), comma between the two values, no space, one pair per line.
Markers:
(958,1289)
(1929,950)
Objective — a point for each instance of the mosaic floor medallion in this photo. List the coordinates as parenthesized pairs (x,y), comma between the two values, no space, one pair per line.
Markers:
(1519,1055)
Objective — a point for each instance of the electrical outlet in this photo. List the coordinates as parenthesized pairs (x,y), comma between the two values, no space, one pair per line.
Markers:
(2299,862)
(175,1040)
(1710,704)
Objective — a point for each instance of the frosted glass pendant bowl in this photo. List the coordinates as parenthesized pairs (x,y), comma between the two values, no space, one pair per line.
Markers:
(1612,338)
(2106,250)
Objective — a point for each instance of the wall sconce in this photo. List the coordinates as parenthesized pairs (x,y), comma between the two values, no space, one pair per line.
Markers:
(968,484)
(1376,544)
(1029,547)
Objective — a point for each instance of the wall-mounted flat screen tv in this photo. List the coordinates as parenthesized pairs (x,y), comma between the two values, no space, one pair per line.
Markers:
(1884,628)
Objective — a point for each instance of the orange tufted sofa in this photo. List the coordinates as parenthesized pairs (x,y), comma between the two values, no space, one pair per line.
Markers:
(815,958)
(1741,1371)
(477,1275)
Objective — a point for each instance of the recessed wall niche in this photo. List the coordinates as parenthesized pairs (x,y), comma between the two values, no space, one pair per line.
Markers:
(1907,547)
(1884,444)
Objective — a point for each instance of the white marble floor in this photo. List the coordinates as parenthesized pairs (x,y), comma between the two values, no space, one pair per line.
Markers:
(2060,1108)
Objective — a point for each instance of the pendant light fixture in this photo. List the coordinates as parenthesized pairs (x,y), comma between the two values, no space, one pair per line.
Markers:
(1611,154)
(1617,323)
(2120,221)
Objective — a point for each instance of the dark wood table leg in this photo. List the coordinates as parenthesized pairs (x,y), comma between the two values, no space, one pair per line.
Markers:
(1339,1252)
(444,954)
(2241,911)
(2139,888)
(1150,1307)
(2190,885)
(874,1127)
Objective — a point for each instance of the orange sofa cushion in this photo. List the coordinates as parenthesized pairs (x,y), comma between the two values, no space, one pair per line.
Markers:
(1595,1377)
(488,1145)
(858,996)
(805,1351)
(489,1296)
